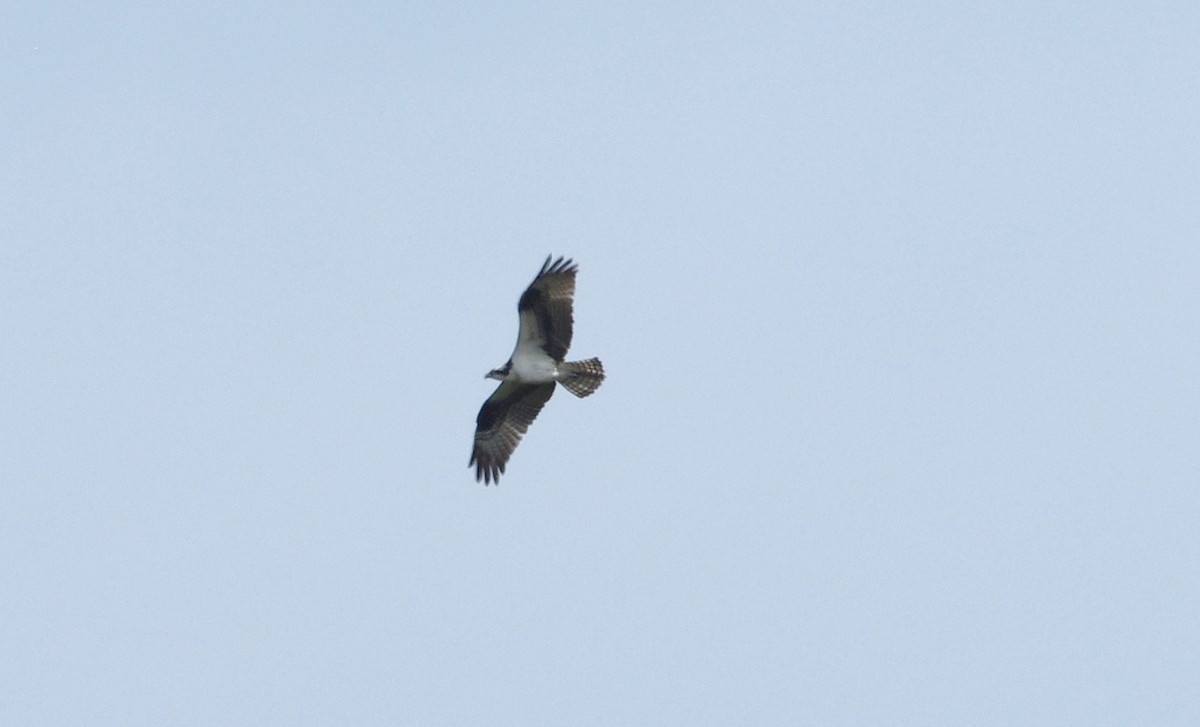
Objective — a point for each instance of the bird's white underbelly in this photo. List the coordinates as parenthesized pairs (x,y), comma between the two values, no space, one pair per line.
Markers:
(534,366)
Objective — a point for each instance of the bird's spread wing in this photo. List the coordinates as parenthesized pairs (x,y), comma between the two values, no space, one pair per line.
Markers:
(504,417)
(545,308)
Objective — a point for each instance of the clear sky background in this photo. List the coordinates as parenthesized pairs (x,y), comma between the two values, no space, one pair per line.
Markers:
(898,305)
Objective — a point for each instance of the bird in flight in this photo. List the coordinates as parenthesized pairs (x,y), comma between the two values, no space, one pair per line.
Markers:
(527,380)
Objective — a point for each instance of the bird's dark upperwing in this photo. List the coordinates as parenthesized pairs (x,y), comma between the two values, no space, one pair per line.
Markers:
(545,308)
(502,421)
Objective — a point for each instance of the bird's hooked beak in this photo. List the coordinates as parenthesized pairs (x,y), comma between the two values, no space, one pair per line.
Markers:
(500,373)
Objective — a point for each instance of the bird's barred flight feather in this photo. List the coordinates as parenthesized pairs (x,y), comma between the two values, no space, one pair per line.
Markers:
(501,423)
(549,300)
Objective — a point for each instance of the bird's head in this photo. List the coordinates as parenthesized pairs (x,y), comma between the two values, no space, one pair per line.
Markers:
(499,374)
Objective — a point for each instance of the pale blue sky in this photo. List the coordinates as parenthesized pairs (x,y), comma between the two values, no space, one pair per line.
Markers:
(898,304)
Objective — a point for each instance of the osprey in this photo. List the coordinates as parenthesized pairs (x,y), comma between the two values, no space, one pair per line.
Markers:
(528,378)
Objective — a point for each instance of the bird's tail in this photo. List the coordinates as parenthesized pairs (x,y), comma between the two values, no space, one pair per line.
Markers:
(582,377)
